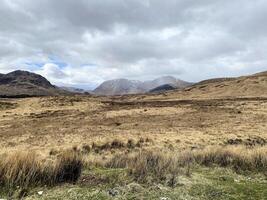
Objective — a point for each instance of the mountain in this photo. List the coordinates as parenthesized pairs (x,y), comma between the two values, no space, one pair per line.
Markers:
(22,83)
(162,88)
(125,86)
(119,87)
(74,90)
(18,77)
(149,85)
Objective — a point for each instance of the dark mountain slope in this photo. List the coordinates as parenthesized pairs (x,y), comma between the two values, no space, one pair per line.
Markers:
(162,88)
(22,84)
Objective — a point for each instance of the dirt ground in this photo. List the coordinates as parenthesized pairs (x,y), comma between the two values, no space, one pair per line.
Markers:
(60,122)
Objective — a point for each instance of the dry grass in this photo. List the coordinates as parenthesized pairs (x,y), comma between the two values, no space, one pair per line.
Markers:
(160,164)
(26,169)
(239,158)
(47,123)
(146,164)
(115,144)
(68,167)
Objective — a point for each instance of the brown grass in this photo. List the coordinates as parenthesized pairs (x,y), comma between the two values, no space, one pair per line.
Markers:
(68,167)
(26,169)
(159,164)
(239,158)
(114,144)
(146,164)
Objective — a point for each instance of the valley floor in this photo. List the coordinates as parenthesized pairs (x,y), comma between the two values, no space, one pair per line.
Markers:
(49,125)
(59,122)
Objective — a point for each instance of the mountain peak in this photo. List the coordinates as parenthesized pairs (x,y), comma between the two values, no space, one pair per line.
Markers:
(19,73)
(118,86)
(125,86)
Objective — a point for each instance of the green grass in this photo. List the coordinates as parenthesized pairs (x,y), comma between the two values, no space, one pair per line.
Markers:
(228,185)
(203,184)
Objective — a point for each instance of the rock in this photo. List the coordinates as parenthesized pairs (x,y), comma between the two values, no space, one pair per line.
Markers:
(113,192)
(134,187)
(161,187)
(40,193)
(164,198)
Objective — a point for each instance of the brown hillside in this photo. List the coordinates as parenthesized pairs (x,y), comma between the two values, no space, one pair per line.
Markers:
(245,86)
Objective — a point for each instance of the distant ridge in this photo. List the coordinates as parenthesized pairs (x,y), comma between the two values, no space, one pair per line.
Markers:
(74,90)
(162,88)
(125,86)
(23,83)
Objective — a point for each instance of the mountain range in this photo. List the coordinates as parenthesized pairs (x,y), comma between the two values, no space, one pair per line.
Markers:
(125,86)
(27,84)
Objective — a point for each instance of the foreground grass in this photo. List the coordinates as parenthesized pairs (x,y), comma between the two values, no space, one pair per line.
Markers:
(24,170)
(215,173)
(204,183)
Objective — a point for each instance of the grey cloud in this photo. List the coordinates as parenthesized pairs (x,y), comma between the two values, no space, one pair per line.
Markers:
(134,38)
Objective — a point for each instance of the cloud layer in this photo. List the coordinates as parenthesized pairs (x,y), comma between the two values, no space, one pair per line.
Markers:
(83,43)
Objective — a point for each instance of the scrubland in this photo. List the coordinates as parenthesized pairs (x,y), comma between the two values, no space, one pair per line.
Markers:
(133,147)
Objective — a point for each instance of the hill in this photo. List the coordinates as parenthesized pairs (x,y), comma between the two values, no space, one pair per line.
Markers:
(22,84)
(245,86)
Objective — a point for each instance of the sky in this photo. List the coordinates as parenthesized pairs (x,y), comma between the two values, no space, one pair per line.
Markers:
(82,43)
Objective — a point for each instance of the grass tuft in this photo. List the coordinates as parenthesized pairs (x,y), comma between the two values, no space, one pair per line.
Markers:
(146,164)
(25,169)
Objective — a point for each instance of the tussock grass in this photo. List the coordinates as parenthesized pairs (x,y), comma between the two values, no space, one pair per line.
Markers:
(159,164)
(115,144)
(118,144)
(21,169)
(239,158)
(146,164)
(155,164)
(68,167)
(25,169)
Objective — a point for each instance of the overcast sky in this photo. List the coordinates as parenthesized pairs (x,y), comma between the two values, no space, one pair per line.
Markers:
(84,42)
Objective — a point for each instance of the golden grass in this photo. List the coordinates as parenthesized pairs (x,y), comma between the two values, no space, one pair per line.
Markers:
(238,157)
(146,164)
(68,166)
(160,164)
(26,169)
(194,122)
